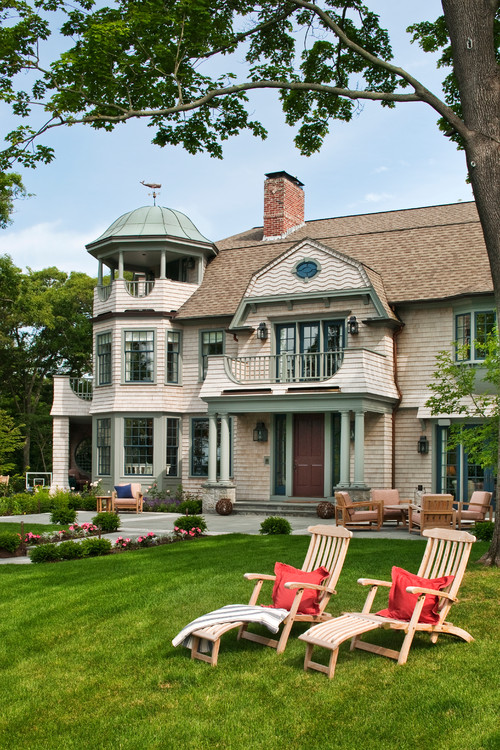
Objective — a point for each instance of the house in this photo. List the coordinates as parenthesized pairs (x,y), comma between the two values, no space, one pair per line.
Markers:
(283,362)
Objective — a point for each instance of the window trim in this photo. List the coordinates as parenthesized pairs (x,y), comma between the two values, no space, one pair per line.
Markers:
(178,333)
(202,369)
(124,356)
(178,437)
(125,446)
(98,356)
(101,445)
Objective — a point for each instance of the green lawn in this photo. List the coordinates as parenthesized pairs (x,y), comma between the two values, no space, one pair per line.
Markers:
(86,659)
(35,528)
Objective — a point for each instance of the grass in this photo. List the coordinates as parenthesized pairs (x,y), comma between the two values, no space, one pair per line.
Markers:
(35,528)
(87,662)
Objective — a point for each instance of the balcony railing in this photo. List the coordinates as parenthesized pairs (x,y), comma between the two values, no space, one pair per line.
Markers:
(140,288)
(285,368)
(82,387)
(104,291)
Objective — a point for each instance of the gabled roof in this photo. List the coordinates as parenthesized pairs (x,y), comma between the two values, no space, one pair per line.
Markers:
(420,254)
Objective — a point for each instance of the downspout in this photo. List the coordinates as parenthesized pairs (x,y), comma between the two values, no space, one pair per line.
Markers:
(398,403)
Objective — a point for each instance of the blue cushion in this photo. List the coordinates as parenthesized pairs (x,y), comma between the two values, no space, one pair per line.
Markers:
(123,490)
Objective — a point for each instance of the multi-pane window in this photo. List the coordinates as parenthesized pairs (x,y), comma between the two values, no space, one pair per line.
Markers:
(212,342)
(138,446)
(104,447)
(103,353)
(199,446)
(309,350)
(172,458)
(471,333)
(173,356)
(139,356)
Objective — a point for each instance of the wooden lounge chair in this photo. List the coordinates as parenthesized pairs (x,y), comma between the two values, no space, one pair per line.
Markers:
(478,506)
(390,498)
(436,512)
(327,548)
(134,502)
(446,554)
(360,514)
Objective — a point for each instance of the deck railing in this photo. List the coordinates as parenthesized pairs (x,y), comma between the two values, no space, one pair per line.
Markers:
(285,368)
(140,288)
(82,387)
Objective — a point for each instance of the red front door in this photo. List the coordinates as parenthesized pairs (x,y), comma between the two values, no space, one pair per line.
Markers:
(308,455)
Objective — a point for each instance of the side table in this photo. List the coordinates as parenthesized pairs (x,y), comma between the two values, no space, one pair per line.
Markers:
(107,500)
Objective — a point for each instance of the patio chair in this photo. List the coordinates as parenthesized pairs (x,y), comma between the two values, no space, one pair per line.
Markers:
(478,506)
(127,497)
(360,514)
(4,478)
(327,550)
(421,607)
(390,498)
(436,512)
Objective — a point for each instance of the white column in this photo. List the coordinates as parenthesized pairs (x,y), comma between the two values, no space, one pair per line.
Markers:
(359,448)
(120,265)
(224,448)
(212,448)
(345,428)
(163,264)
(99,274)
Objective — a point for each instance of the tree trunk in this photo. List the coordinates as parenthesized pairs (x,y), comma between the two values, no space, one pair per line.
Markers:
(471,29)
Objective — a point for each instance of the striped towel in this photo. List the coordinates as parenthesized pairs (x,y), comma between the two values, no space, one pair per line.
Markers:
(271,618)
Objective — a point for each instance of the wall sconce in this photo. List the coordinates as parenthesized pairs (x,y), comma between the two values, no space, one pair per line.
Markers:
(260,433)
(423,445)
(262,332)
(353,326)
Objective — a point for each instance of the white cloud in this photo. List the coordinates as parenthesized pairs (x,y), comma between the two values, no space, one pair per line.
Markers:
(51,244)
(378,170)
(377,197)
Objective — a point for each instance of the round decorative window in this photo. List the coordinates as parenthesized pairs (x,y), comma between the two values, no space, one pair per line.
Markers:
(306,269)
(83,455)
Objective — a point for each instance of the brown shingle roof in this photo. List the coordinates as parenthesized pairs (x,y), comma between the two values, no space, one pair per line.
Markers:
(420,253)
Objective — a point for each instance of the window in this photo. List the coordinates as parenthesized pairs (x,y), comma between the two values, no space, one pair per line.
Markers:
(173,356)
(104,447)
(138,446)
(199,446)
(83,455)
(456,474)
(212,342)
(139,356)
(471,333)
(311,350)
(172,457)
(103,352)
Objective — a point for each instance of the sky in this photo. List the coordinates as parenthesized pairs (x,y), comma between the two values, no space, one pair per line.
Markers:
(381,161)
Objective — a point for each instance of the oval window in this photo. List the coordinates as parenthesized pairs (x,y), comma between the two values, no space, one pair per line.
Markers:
(307,269)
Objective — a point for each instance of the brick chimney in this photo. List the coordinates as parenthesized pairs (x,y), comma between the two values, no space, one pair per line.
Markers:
(283,205)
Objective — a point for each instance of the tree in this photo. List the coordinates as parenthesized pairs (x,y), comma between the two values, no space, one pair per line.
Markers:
(45,328)
(152,59)
(11,440)
(11,188)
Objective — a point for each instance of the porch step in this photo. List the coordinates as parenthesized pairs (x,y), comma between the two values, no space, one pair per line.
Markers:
(305,508)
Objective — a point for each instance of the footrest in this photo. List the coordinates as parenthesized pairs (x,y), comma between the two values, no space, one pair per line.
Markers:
(213,635)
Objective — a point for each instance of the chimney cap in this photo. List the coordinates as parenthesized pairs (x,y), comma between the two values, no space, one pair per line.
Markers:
(272,175)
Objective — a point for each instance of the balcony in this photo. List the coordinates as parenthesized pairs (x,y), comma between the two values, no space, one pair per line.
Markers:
(82,387)
(154,294)
(285,368)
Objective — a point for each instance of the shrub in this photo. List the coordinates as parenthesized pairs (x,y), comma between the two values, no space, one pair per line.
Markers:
(63,515)
(9,541)
(483,531)
(95,547)
(190,507)
(189,526)
(44,553)
(275,525)
(70,550)
(107,522)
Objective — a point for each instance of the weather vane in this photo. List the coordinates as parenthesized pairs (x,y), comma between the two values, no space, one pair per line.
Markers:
(154,187)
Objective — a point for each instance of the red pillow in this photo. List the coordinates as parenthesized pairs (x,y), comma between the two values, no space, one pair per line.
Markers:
(402,603)
(283,597)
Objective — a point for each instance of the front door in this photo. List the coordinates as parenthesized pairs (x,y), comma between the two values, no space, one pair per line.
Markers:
(308,458)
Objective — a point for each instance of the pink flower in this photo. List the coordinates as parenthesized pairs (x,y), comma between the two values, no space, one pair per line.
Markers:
(191,533)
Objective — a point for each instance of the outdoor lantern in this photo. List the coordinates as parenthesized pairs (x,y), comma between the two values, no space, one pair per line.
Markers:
(353,326)
(423,445)
(262,332)
(260,433)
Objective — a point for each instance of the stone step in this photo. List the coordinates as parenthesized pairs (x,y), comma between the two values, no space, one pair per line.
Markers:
(285,508)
